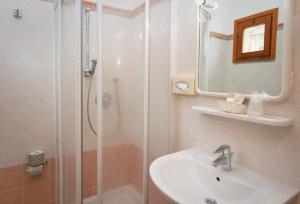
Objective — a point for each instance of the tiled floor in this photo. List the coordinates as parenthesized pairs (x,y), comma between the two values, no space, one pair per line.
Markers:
(124,195)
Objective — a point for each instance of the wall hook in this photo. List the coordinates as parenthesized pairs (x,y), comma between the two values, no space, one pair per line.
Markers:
(17,13)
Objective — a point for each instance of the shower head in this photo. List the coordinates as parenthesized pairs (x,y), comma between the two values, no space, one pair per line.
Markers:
(211,4)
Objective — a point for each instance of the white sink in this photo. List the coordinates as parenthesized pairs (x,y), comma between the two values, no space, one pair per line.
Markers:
(187,177)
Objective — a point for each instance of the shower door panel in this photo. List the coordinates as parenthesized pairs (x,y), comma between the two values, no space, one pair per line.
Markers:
(160,94)
(90,134)
(123,72)
(70,102)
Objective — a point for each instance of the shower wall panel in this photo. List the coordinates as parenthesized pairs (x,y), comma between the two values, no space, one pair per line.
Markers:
(27,99)
(123,81)
(70,101)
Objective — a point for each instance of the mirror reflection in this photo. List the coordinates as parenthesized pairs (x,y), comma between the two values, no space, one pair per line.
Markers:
(240,46)
(254,39)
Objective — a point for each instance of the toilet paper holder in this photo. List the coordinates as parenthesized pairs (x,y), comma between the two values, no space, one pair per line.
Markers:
(36,163)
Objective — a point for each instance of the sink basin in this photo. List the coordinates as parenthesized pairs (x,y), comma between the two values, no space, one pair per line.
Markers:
(187,177)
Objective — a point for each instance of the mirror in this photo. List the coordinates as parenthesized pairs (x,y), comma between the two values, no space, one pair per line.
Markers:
(254,39)
(241,45)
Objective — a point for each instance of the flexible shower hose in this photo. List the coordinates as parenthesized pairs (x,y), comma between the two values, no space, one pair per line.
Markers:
(88,106)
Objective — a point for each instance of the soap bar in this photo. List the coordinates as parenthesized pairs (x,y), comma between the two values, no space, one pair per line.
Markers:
(236,98)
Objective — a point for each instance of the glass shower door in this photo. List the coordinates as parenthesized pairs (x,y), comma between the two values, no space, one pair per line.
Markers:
(123,67)
(129,89)
(69,100)
(160,90)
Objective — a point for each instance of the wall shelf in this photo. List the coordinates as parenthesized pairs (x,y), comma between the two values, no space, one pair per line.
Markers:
(265,120)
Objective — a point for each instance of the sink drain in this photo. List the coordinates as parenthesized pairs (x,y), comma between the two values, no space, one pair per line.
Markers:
(210,201)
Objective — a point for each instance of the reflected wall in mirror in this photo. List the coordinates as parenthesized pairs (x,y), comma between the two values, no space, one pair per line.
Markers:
(217,73)
(255,37)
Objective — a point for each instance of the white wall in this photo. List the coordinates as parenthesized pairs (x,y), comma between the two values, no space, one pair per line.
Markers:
(268,150)
(26,81)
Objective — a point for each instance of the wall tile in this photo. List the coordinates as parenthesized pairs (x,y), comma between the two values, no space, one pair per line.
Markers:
(115,164)
(122,166)
(17,186)
(11,178)
(12,197)
(89,173)
(32,179)
(37,191)
(136,168)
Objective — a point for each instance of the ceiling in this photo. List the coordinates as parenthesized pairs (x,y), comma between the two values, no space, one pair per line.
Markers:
(123,4)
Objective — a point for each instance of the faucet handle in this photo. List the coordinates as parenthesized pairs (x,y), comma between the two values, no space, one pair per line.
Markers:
(222,148)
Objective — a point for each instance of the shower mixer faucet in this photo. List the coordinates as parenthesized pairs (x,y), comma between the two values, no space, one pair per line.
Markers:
(90,71)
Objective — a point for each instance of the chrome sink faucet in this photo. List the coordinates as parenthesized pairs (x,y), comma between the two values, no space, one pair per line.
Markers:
(224,160)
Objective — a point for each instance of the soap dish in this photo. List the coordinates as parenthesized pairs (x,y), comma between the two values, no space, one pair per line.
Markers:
(232,107)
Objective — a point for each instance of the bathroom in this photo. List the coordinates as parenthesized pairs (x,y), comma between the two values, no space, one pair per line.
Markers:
(149,101)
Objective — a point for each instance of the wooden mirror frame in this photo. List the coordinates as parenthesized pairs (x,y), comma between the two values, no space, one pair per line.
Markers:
(270,20)
(287,58)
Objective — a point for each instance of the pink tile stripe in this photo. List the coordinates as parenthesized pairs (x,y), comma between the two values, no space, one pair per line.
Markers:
(123,165)
(17,187)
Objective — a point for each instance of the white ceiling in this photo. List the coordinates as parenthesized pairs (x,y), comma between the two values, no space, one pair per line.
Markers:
(124,4)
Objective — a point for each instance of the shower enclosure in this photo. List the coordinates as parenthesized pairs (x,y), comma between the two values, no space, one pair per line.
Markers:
(88,84)
(129,89)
